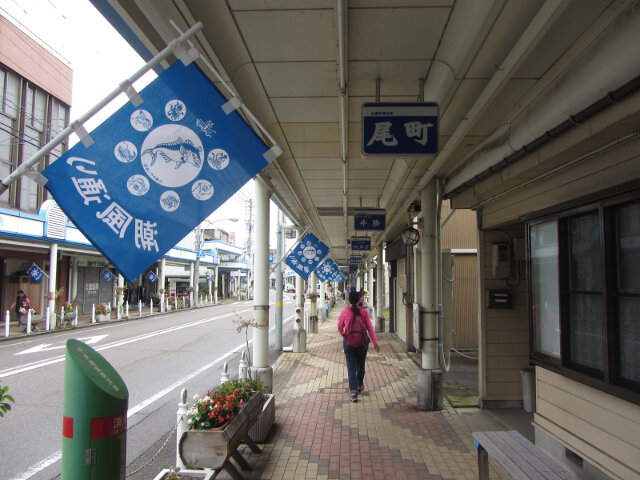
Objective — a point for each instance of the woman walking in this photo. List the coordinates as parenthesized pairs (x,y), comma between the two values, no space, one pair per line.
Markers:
(21,305)
(353,325)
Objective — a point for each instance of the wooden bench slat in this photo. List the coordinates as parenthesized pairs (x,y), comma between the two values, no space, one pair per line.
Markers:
(542,461)
(527,459)
(519,457)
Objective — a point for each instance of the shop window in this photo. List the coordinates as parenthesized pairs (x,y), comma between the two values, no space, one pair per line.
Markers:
(584,269)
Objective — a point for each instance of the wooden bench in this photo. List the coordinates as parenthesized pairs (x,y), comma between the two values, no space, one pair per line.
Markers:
(518,456)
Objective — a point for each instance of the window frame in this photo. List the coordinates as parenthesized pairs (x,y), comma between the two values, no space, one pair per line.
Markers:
(604,203)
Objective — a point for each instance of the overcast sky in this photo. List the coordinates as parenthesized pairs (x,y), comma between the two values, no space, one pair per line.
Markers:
(78,35)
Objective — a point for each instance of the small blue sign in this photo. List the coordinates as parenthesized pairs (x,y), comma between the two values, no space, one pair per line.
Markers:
(35,273)
(158,169)
(243,281)
(271,254)
(370,219)
(200,254)
(152,277)
(398,129)
(208,277)
(361,244)
(355,260)
(307,255)
(353,268)
(107,276)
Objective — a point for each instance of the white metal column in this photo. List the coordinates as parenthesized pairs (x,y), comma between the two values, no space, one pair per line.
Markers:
(53,272)
(261,278)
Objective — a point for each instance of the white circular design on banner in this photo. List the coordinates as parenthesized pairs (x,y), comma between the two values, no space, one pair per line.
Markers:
(309,252)
(172,155)
(169,201)
(218,159)
(141,120)
(125,152)
(202,189)
(138,185)
(175,110)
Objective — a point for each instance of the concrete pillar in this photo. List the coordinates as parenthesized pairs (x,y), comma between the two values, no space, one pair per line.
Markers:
(53,273)
(431,378)
(261,370)
(215,285)
(369,287)
(322,312)
(380,292)
(73,291)
(120,296)
(163,265)
(279,283)
(313,305)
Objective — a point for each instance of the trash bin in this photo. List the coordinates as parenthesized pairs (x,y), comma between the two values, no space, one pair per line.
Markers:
(528,389)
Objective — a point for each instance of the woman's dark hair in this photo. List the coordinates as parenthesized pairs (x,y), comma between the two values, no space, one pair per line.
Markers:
(354,298)
(20,292)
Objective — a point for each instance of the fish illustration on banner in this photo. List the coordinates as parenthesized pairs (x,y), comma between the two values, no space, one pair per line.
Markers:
(328,271)
(156,170)
(307,255)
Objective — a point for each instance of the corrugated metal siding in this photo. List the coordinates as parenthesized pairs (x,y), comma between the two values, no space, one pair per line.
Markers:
(465,301)
(460,231)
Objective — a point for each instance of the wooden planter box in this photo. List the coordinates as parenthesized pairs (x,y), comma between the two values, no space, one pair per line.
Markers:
(212,448)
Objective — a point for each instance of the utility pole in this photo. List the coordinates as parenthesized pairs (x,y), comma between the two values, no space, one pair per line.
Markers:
(249,217)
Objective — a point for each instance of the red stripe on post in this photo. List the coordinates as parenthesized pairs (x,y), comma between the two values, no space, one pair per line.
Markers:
(67,427)
(107,427)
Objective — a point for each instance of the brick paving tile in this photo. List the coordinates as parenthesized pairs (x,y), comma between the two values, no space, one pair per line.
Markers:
(320,434)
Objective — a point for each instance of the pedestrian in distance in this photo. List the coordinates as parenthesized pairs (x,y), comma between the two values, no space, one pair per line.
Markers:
(357,331)
(21,305)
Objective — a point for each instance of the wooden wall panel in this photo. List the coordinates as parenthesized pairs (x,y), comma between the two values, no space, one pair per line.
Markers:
(465,301)
(603,429)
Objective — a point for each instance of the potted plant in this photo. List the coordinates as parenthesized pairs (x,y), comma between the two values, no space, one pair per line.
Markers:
(214,410)
(103,312)
(5,398)
(69,310)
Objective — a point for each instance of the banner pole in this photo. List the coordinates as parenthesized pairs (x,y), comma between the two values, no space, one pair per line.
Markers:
(26,166)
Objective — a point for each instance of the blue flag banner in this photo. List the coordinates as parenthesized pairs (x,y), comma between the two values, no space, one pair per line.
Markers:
(327,271)
(35,272)
(107,276)
(156,170)
(307,255)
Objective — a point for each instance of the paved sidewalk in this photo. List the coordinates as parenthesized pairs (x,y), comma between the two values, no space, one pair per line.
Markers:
(320,434)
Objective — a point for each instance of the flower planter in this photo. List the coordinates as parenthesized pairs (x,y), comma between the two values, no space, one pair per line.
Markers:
(103,317)
(212,448)
(260,429)
(186,474)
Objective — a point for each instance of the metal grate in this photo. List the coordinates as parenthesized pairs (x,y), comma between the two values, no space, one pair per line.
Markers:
(56,221)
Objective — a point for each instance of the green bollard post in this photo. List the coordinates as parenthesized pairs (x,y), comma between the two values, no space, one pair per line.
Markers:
(94,424)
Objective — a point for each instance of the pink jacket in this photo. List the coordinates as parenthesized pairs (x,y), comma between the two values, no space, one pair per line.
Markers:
(345,320)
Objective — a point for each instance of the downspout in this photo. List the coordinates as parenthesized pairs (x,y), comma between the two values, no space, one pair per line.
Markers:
(342,60)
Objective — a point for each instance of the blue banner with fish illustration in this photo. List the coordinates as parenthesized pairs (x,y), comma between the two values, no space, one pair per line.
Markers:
(156,170)
(306,256)
(329,271)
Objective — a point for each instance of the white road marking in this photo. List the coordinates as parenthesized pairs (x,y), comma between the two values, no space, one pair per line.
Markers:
(47,346)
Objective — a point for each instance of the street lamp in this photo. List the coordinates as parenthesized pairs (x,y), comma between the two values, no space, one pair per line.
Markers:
(196,286)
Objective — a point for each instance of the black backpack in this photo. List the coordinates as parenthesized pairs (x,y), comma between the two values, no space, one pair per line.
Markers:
(357,334)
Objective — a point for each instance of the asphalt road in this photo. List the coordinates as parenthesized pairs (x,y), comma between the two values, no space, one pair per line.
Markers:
(156,356)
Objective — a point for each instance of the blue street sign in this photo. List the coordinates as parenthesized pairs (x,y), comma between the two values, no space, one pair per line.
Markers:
(398,129)
(361,244)
(107,276)
(208,277)
(200,254)
(156,170)
(370,219)
(35,273)
(152,277)
(271,254)
(355,260)
(306,256)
